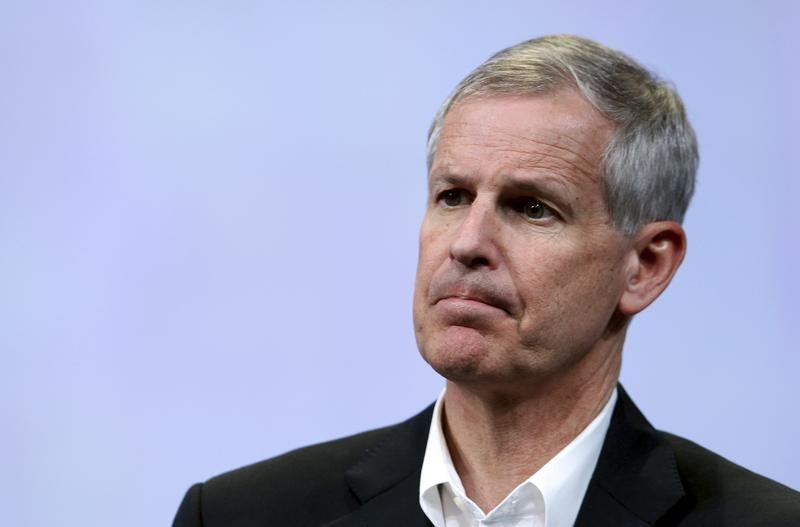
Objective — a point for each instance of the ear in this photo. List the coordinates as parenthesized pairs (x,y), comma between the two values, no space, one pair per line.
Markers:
(656,252)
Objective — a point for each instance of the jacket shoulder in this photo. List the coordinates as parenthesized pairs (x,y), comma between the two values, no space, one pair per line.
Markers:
(308,480)
(317,462)
(724,493)
(307,486)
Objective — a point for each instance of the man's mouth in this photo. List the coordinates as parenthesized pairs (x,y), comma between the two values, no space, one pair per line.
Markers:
(470,301)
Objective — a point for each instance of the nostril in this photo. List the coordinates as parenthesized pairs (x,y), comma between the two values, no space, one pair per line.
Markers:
(475,262)
(480,262)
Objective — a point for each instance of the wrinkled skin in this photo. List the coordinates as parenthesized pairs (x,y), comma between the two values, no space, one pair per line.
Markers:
(520,270)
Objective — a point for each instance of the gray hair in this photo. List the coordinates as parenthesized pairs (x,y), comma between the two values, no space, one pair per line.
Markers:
(649,165)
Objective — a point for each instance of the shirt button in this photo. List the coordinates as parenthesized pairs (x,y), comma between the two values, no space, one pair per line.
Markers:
(460,503)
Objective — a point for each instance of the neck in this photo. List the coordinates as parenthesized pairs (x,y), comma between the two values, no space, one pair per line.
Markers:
(498,438)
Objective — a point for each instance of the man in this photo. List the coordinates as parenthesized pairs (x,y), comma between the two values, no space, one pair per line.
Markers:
(559,174)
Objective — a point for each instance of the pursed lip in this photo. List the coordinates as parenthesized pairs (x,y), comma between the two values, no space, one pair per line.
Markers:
(485,300)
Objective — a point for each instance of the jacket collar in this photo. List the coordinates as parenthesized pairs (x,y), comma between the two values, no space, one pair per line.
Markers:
(635,483)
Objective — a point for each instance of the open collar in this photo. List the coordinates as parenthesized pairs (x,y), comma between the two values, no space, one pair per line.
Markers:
(554,492)
(635,483)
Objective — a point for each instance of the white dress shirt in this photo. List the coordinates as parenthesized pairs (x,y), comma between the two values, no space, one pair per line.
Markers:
(549,498)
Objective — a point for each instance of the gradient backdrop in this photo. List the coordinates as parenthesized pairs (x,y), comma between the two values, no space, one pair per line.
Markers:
(208,223)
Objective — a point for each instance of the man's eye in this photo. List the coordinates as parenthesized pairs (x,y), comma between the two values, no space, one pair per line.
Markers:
(533,209)
(452,197)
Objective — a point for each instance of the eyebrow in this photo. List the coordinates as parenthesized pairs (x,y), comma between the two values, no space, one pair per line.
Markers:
(449,178)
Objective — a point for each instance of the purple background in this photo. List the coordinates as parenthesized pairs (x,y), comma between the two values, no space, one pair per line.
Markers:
(208,223)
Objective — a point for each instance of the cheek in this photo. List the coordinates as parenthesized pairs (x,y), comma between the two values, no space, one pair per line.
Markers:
(432,251)
(595,290)
(426,267)
(570,287)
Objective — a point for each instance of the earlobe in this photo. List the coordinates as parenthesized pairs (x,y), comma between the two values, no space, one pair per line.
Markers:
(656,253)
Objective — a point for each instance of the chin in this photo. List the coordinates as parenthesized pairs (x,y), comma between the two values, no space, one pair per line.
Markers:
(459,354)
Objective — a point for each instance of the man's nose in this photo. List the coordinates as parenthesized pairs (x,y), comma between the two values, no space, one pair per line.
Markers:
(474,242)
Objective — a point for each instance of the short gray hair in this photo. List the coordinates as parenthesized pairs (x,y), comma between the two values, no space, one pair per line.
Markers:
(649,165)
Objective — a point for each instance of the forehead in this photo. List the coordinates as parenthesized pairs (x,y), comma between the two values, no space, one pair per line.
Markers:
(559,134)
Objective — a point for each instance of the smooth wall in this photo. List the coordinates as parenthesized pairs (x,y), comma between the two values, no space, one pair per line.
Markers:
(208,233)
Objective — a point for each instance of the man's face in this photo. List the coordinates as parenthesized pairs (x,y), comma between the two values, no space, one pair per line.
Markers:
(520,269)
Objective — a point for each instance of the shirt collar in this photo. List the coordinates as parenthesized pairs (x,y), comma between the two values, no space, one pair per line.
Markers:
(561,482)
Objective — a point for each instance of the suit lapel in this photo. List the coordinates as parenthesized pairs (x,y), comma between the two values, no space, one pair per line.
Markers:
(397,507)
(386,480)
(636,480)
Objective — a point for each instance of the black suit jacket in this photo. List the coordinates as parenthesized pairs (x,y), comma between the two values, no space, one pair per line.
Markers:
(643,477)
